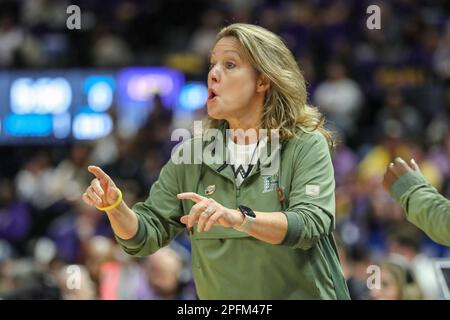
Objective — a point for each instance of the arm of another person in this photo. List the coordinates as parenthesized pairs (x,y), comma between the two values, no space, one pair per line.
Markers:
(424,206)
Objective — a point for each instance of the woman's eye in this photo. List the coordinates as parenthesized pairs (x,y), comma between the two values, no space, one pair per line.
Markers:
(230,65)
(211,65)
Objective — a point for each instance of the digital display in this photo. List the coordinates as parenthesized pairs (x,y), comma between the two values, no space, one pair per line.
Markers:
(55,105)
(49,106)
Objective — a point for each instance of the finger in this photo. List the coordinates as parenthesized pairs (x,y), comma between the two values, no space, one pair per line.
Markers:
(95,184)
(88,200)
(101,176)
(203,217)
(195,212)
(400,167)
(414,165)
(391,168)
(192,196)
(94,196)
(213,220)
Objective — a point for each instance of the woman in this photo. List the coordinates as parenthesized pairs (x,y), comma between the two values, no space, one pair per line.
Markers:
(258,235)
(395,285)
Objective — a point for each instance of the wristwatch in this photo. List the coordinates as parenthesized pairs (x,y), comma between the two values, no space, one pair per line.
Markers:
(249,218)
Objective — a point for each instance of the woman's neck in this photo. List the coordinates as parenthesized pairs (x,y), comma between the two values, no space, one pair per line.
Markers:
(251,120)
(244,132)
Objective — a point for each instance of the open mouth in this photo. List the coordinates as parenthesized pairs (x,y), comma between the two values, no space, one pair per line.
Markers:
(211,94)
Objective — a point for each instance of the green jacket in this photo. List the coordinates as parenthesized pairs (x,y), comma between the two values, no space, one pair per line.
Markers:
(228,264)
(424,206)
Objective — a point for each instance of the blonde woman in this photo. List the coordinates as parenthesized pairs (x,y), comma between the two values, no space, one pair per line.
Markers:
(255,233)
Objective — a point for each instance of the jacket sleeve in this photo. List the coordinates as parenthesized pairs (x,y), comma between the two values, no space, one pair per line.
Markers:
(311,208)
(424,206)
(159,215)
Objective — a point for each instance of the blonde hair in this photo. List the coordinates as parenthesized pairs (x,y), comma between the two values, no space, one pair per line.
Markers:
(285,103)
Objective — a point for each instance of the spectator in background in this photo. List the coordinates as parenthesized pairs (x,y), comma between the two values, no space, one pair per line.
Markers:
(105,150)
(82,288)
(340,98)
(404,243)
(33,182)
(155,132)
(11,37)
(99,255)
(441,59)
(45,14)
(151,168)
(166,276)
(110,49)
(397,111)
(355,262)
(394,285)
(126,165)
(29,282)
(204,37)
(438,130)
(73,231)
(15,216)
(69,176)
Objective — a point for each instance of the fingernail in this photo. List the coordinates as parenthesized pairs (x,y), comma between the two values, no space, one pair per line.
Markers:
(414,161)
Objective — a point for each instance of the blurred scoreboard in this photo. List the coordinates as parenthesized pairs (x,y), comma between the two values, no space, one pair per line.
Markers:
(74,104)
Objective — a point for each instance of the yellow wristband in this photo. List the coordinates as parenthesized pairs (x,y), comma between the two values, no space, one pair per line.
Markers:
(115,204)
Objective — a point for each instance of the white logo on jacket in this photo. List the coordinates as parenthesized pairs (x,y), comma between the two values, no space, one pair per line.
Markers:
(312,190)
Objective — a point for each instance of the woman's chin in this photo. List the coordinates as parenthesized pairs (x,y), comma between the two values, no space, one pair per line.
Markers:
(214,113)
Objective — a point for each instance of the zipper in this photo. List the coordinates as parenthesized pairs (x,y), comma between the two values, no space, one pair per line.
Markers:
(238,193)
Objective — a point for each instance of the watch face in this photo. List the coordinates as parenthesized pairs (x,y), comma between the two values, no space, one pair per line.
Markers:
(247,211)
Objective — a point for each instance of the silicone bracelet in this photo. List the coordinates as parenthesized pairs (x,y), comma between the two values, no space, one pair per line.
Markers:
(115,204)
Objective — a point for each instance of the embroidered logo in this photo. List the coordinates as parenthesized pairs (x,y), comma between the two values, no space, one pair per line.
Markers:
(270,183)
(312,190)
(240,170)
(210,189)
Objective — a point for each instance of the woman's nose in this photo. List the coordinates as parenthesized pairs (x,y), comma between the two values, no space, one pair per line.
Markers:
(214,74)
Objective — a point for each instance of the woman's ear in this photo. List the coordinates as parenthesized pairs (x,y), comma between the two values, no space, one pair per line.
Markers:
(263,84)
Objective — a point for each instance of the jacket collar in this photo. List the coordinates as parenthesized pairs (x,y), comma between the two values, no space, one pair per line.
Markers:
(215,154)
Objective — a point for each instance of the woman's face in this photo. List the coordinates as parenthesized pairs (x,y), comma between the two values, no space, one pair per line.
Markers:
(390,288)
(233,87)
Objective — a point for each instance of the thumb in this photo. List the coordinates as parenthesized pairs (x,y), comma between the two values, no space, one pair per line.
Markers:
(184,219)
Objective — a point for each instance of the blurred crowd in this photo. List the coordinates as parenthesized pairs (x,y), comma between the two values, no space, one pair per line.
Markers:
(384,92)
